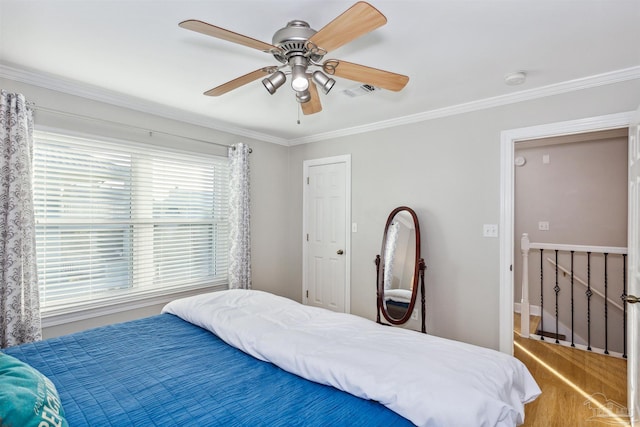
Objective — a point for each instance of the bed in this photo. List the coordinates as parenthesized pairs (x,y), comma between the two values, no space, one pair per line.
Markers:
(397,302)
(249,358)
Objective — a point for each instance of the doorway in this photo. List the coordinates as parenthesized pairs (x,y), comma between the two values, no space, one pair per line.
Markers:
(571,191)
(326,237)
(508,251)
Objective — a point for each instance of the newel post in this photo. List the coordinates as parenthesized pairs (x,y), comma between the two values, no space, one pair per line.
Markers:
(524,302)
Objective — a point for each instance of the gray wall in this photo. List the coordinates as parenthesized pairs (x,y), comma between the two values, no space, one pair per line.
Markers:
(448,171)
(269,181)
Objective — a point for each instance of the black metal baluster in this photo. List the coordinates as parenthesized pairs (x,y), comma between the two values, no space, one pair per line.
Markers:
(624,305)
(557,291)
(572,308)
(541,295)
(606,308)
(589,293)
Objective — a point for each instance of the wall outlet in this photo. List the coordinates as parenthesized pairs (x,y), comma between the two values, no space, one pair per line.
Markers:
(543,225)
(490,230)
(414,315)
(354,227)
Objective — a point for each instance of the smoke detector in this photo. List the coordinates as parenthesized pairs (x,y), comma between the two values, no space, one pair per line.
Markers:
(515,78)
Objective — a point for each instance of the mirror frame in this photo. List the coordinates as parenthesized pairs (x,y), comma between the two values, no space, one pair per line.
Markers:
(418,273)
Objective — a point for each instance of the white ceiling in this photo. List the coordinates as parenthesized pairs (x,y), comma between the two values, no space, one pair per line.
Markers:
(455,52)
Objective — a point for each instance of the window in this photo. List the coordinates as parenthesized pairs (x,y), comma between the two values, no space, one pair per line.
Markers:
(121,221)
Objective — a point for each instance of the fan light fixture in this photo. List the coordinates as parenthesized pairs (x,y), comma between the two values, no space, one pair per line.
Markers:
(274,81)
(303,96)
(299,49)
(299,79)
(325,83)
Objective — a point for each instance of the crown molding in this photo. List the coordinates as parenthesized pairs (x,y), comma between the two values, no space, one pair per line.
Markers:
(72,87)
(603,79)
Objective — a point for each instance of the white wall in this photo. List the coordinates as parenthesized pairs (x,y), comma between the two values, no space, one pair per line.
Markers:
(448,171)
(269,180)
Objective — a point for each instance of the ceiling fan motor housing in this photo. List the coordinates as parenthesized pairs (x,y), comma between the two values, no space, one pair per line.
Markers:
(292,40)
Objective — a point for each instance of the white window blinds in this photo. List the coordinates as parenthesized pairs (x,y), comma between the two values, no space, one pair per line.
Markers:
(116,221)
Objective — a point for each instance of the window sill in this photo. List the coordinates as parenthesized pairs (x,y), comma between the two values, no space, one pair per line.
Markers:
(61,316)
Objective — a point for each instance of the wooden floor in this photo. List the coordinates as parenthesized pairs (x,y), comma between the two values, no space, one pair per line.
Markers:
(579,388)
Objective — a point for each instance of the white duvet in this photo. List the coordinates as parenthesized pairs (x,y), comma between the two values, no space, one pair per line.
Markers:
(430,381)
(398,295)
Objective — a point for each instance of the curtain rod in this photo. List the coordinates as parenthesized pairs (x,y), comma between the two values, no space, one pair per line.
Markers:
(150,131)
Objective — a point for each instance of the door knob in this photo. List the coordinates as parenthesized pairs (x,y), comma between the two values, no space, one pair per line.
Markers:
(340,252)
(632,299)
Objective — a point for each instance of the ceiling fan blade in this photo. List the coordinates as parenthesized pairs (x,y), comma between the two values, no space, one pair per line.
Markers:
(356,21)
(313,105)
(368,75)
(240,81)
(221,33)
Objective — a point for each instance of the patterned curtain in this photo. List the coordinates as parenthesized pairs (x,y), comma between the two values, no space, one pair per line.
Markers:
(239,218)
(19,303)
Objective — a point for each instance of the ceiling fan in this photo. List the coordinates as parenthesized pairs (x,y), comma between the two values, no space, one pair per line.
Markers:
(300,49)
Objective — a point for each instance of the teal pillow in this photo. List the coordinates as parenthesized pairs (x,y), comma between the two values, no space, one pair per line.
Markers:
(27,398)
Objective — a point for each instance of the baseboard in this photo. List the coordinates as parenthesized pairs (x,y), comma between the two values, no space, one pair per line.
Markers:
(534,310)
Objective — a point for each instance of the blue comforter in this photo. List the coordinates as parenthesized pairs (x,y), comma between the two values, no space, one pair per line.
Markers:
(163,371)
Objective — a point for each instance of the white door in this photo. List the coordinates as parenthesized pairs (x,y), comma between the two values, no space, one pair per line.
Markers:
(633,288)
(325,234)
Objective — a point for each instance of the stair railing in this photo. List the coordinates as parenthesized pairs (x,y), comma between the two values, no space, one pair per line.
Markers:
(526,246)
(585,284)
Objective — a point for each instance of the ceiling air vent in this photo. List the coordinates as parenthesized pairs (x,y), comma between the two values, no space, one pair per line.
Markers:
(360,90)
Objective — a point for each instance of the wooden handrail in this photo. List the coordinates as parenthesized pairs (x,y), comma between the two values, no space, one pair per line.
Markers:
(577,248)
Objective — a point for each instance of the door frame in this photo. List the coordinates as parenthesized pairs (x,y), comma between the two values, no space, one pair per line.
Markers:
(508,139)
(346,159)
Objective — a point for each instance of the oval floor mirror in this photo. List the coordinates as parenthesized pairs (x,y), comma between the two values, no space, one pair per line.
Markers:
(400,269)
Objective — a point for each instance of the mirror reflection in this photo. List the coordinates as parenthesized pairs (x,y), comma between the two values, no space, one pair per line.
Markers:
(399,265)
